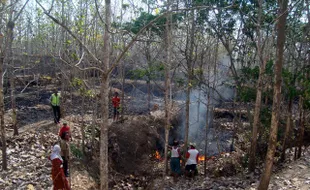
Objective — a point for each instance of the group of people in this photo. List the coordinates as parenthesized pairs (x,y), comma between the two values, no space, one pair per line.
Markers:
(61,151)
(60,158)
(55,103)
(191,160)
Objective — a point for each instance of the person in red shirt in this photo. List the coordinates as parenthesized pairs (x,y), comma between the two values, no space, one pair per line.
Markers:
(64,128)
(116,105)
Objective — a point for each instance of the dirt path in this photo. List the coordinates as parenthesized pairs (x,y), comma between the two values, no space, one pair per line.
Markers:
(294,175)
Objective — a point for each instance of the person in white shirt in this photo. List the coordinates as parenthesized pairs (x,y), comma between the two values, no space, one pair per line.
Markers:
(175,165)
(191,161)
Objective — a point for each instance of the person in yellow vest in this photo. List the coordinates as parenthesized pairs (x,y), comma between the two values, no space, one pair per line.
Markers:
(55,103)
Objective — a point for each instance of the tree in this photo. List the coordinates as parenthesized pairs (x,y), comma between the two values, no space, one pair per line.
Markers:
(258,101)
(9,58)
(281,24)
(3,135)
(190,60)
(104,94)
(168,104)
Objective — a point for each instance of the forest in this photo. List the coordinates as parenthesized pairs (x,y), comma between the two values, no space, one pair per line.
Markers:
(142,83)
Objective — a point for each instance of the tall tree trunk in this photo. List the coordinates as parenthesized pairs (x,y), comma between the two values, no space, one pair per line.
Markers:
(264,182)
(14,113)
(301,128)
(9,58)
(122,66)
(3,138)
(187,113)
(256,122)
(83,120)
(190,62)
(207,132)
(287,129)
(167,86)
(104,91)
(258,100)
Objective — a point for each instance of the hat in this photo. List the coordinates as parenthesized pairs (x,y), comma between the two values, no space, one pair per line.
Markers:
(192,144)
(65,123)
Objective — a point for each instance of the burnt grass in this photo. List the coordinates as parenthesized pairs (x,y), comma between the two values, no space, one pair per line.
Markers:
(131,144)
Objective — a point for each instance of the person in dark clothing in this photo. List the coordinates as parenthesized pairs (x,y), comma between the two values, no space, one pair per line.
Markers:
(65,151)
(175,163)
(55,103)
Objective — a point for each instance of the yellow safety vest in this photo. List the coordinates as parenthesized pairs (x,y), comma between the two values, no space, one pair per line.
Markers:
(55,100)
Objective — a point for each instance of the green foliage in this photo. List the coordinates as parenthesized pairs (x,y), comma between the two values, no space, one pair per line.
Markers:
(246,94)
(269,68)
(250,73)
(306,93)
(153,71)
(76,152)
(125,6)
(265,115)
(140,22)
(289,84)
(46,77)
(248,77)
(198,71)
(157,28)
(180,81)
(78,83)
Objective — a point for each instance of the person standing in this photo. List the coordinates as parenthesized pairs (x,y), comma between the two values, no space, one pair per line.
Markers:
(55,102)
(65,151)
(192,161)
(175,164)
(65,128)
(116,105)
(58,176)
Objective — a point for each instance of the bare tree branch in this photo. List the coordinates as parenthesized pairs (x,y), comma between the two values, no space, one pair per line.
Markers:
(71,33)
(76,65)
(20,11)
(80,59)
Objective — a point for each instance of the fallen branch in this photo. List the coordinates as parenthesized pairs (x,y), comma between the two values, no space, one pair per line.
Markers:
(34,79)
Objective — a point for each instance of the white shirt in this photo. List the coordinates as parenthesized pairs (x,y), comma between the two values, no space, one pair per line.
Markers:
(192,157)
(174,152)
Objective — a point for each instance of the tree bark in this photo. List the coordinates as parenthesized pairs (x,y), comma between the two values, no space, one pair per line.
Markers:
(264,182)
(104,91)
(258,100)
(187,103)
(167,87)
(287,129)
(3,135)
(301,128)
(189,59)
(256,122)
(10,28)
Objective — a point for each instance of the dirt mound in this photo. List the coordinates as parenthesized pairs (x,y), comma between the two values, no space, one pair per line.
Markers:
(132,144)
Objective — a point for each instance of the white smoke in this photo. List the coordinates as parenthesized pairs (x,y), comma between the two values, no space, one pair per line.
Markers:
(198,108)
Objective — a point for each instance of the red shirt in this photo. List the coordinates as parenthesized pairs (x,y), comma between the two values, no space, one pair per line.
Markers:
(64,129)
(116,101)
